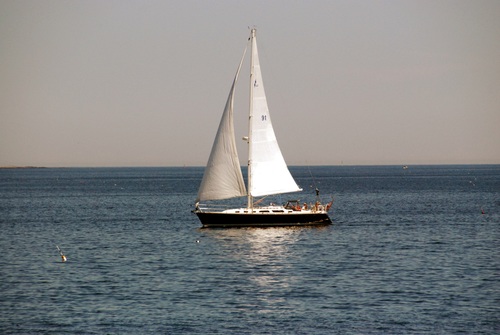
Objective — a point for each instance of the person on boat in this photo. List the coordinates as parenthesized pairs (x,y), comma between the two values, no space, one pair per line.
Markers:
(305,206)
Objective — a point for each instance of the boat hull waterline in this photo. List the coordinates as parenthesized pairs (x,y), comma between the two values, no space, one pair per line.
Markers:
(227,220)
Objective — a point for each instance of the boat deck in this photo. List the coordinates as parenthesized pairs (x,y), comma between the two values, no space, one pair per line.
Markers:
(271,210)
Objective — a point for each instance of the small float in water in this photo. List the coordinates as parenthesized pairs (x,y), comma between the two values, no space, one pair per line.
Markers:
(63,257)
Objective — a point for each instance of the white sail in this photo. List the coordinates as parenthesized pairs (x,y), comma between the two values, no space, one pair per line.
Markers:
(223,178)
(267,168)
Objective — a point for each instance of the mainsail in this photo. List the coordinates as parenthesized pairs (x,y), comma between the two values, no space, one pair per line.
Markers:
(268,171)
(223,178)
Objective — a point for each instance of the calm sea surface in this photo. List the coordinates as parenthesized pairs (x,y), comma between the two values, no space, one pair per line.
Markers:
(410,252)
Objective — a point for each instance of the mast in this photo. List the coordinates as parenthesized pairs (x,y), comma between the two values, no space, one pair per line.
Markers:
(250,115)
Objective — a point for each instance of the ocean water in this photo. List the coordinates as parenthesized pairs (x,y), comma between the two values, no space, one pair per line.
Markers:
(413,251)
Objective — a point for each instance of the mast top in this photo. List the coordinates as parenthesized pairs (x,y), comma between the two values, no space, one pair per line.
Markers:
(253,31)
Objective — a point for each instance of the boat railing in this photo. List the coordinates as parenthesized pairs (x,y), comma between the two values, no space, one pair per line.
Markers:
(210,208)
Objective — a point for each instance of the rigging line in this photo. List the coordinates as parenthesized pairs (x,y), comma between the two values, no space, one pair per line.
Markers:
(312,177)
(260,200)
(314,182)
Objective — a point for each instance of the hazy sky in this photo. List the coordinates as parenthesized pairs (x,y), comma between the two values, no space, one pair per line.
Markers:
(144,83)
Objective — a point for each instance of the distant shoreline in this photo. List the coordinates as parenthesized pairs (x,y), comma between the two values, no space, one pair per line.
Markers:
(21,167)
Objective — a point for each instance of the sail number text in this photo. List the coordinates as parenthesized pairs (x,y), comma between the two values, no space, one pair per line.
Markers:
(264,117)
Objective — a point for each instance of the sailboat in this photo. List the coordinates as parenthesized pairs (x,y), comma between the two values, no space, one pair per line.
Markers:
(268,173)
